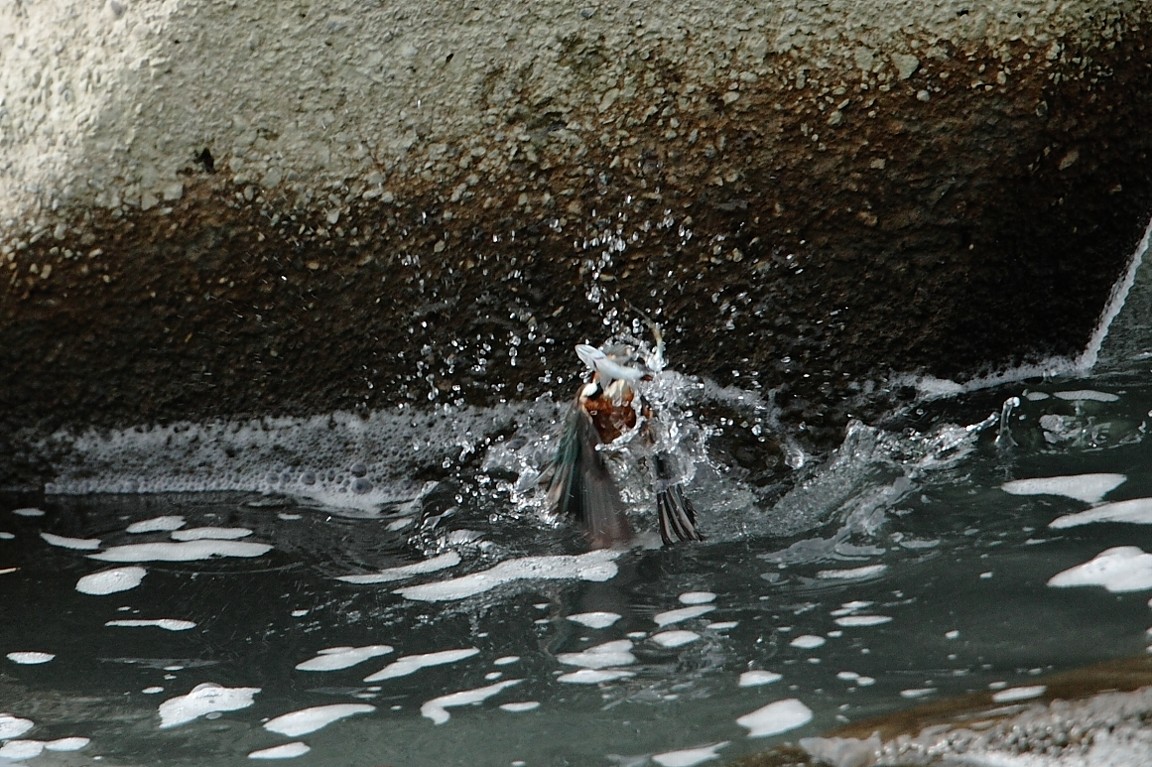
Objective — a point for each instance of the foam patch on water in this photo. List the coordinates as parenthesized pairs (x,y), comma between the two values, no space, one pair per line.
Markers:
(30,658)
(13,726)
(615,653)
(775,718)
(1086,395)
(336,658)
(1137,511)
(168,624)
(852,676)
(596,566)
(211,533)
(595,620)
(207,698)
(410,664)
(403,572)
(284,751)
(76,544)
(674,639)
(808,642)
(696,598)
(862,620)
(690,757)
(852,573)
(188,551)
(28,512)
(163,524)
(307,720)
(520,706)
(111,581)
(21,749)
(594,676)
(437,708)
(1090,488)
(1013,694)
(757,678)
(678,615)
(1119,569)
(340,460)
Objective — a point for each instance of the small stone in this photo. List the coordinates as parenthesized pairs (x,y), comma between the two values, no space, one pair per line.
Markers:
(906,65)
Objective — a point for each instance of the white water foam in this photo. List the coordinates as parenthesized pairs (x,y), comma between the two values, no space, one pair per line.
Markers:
(410,664)
(862,620)
(336,658)
(188,551)
(690,757)
(211,533)
(614,653)
(1090,488)
(204,699)
(675,638)
(757,678)
(596,566)
(808,642)
(775,718)
(596,619)
(168,624)
(76,544)
(308,720)
(1137,511)
(437,708)
(30,658)
(696,598)
(284,751)
(339,460)
(13,726)
(594,676)
(156,525)
(1013,694)
(403,572)
(111,581)
(668,617)
(1119,569)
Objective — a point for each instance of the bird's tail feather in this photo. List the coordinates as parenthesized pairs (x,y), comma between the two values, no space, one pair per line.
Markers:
(677,514)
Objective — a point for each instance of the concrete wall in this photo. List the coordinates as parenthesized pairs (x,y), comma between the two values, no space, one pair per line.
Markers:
(216,208)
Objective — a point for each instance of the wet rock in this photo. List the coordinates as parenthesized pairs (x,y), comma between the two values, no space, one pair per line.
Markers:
(347,207)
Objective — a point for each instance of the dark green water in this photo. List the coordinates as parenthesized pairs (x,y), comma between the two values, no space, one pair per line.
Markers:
(899,570)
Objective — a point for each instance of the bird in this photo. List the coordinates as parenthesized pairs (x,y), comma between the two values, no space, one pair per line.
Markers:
(608,408)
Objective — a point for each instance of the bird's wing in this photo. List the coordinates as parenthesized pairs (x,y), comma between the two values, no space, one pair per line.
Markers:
(580,485)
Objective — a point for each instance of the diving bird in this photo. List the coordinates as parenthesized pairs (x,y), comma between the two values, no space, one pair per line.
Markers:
(608,408)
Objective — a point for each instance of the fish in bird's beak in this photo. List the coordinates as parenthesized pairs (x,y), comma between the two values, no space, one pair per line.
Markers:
(580,483)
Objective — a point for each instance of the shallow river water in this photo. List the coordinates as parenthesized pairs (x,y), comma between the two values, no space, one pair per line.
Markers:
(305,592)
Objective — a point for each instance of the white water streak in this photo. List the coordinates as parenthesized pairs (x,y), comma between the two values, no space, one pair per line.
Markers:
(1120,290)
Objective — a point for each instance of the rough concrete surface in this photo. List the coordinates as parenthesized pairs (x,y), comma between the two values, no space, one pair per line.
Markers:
(1096,716)
(213,208)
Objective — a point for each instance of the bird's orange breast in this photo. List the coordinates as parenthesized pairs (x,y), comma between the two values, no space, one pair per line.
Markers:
(610,419)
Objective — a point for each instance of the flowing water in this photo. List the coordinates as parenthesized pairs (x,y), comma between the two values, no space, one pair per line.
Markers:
(388,590)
